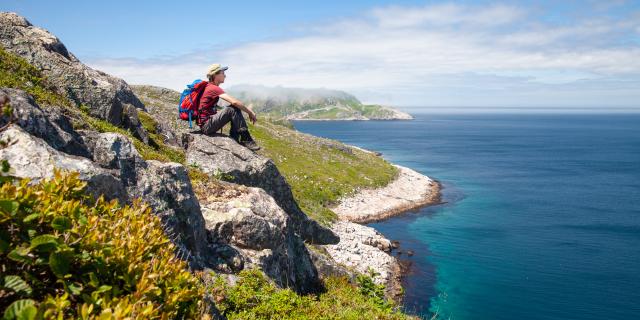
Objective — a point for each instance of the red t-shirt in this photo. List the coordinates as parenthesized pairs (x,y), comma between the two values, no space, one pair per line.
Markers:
(208,101)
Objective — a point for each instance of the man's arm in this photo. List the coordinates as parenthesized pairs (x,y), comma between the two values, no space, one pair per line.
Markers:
(238,104)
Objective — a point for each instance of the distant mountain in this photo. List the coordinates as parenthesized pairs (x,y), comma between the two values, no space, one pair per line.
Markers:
(312,104)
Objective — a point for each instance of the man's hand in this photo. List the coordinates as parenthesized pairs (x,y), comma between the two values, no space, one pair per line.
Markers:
(236,103)
(252,116)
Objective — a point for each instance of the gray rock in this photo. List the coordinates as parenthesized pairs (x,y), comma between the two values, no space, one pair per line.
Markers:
(328,267)
(106,97)
(223,154)
(362,248)
(31,157)
(120,174)
(51,125)
(166,187)
(255,232)
(111,150)
(115,151)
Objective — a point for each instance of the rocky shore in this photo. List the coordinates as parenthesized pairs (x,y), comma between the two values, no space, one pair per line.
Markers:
(410,190)
(362,248)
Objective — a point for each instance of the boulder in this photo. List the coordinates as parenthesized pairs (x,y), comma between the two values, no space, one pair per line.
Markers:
(221,154)
(106,97)
(51,125)
(31,157)
(251,230)
(165,187)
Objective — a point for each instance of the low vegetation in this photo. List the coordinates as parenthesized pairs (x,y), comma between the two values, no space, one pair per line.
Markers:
(16,72)
(64,255)
(254,297)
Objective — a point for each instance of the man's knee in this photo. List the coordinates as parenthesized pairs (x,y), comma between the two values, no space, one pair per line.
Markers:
(231,109)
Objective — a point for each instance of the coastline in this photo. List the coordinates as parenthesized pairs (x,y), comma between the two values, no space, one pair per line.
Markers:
(352,119)
(362,247)
(410,190)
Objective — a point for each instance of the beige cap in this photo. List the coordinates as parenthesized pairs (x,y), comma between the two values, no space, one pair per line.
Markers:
(214,68)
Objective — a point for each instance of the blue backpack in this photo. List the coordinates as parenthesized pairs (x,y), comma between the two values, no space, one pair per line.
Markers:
(190,100)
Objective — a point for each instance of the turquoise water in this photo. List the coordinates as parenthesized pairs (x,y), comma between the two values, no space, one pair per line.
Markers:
(542,219)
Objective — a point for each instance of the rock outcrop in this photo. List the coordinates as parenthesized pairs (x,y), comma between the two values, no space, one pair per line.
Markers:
(408,191)
(51,126)
(247,230)
(107,97)
(223,154)
(220,154)
(31,157)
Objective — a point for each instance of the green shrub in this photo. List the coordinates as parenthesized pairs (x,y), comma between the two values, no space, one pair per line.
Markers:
(370,289)
(255,297)
(64,255)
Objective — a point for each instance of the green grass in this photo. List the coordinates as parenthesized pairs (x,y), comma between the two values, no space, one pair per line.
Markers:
(320,171)
(15,72)
(330,113)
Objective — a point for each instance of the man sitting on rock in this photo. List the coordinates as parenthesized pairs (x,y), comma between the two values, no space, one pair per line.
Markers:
(210,121)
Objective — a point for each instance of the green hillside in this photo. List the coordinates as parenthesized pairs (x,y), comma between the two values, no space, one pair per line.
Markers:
(311,104)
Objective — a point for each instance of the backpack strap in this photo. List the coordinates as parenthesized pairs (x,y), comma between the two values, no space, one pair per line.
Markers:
(200,87)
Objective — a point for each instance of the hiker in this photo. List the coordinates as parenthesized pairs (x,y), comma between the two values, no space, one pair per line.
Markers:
(210,121)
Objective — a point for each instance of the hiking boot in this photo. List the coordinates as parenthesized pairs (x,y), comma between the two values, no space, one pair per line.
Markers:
(251,145)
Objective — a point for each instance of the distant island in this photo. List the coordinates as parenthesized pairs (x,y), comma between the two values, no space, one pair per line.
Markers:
(312,104)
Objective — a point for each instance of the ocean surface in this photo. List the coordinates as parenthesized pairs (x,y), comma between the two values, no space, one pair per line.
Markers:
(542,212)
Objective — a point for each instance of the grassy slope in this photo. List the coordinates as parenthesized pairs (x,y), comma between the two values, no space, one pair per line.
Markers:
(320,171)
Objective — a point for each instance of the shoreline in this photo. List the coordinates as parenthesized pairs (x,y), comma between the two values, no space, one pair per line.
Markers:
(349,119)
(362,247)
(410,190)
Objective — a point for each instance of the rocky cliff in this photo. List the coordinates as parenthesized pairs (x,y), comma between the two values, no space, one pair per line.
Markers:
(101,129)
(107,97)
(228,234)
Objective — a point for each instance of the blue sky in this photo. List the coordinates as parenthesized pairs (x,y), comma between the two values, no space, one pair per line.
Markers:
(407,53)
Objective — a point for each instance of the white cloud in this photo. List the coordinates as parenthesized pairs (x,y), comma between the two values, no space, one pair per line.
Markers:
(410,50)
(444,15)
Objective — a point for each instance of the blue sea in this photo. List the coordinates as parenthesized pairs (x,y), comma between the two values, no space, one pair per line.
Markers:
(542,212)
